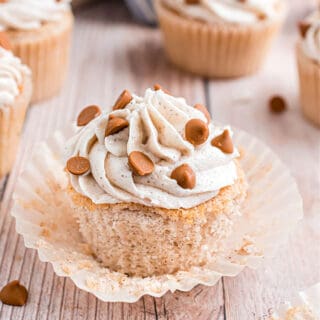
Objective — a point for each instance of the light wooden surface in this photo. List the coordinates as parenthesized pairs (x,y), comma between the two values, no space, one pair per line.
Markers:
(110,53)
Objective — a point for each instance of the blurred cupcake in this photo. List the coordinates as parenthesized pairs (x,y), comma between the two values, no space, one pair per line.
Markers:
(308,56)
(39,32)
(142,10)
(155,185)
(219,38)
(15,95)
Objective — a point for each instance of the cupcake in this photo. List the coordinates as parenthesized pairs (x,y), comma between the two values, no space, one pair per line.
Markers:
(219,38)
(308,56)
(155,186)
(39,32)
(15,95)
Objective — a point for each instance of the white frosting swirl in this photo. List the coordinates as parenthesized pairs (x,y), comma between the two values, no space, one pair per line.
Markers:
(12,72)
(311,41)
(156,127)
(232,11)
(30,14)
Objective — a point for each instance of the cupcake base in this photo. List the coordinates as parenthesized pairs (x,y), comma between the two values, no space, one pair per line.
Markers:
(309,79)
(11,123)
(215,50)
(46,52)
(143,241)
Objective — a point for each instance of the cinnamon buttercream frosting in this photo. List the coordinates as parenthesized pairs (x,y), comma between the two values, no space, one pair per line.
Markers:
(154,128)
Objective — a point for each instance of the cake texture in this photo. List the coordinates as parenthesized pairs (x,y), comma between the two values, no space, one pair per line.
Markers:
(40,34)
(15,95)
(219,38)
(155,185)
(308,59)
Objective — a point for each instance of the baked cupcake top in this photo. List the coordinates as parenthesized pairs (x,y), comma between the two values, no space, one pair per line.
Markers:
(154,150)
(30,14)
(310,36)
(230,11)
(12,72)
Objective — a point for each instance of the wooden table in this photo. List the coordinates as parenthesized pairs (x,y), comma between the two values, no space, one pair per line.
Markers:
(111,52)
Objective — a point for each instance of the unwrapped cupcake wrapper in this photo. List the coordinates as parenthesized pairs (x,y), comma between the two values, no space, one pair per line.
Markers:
(305,305)
(11,123)
(47,55)
(45,220)
(215,50)
(309,78)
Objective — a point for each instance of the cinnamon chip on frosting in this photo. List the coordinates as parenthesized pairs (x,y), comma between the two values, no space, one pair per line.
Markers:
(115,125)
(78,165)
(196,131)
(87,115)
(4,41)
(157,87)
(192,1)
(185,176)
(223,142)
(303,28)
(123,100)
(140,163)
(277,104)
(14,294)
(204,110)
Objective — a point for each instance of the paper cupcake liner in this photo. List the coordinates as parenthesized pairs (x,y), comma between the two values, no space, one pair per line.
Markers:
(305,305)
(46,52)
(309,78)
(11,123)
(219,50)
(45,220)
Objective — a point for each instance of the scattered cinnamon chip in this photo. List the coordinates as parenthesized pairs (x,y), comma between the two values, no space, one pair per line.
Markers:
(196,131)
(204,110)
(14,294)
(4,41)
(124,99)
(277,104)
(157,87)
(184,176)
(223,142)
(87,115)
(115,125)
(303,28)
(140,163)
(78,165)
(192,1)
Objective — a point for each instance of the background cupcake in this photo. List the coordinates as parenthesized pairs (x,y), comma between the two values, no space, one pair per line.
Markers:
(15,95)
(219,38)
(39,32)
(308,56)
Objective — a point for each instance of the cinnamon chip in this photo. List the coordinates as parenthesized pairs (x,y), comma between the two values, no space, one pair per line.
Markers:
(277,104)
(196,131)
(87,115)
(204,110)
(140,163)
(124,99)
(223,142)
(78,165)
(14,294)
(184,176)
(303,28)
(192,1)
(115,125)
(4,41)
(157,87)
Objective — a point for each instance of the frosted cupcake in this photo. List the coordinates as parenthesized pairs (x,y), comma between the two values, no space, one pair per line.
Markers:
(40,31)
(308,56)
(219,38)
(15,95)
(154,184)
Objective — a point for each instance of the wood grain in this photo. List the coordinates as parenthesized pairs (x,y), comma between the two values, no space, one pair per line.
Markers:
(110,53)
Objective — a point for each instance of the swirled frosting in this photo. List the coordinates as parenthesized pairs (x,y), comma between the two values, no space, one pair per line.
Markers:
(311,39)
(156,128)
(12,72)
(30,14)
(232,11)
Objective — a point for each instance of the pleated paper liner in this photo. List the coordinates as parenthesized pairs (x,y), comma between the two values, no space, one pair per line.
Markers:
(44,219)
(304,306)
